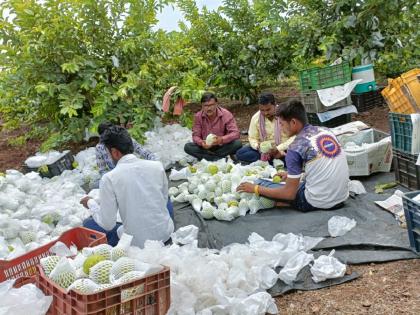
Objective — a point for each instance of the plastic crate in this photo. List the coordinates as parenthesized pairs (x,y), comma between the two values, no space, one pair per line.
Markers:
(364,161)
(411,80)
(149,296)
(401,127)
(367,101)
(25,265)
(55,169)
(313,119)
(398,97)
(24,280)
(407,173)
(313,104)
(412,217)
(320,78)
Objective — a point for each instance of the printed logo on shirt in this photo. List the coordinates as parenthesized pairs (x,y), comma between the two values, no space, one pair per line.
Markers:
(328,146)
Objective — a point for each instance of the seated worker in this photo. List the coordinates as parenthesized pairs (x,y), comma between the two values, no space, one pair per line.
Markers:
(264,126)
(213,119)
(106,164)
(315,152)
(137,188)
(103,157)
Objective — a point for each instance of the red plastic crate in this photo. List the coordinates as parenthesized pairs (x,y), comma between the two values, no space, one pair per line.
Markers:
(147,296)
(24,280)
(25,265)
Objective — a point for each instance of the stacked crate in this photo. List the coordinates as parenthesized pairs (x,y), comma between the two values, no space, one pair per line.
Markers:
(367,100)
(403,93)
(403,98)
(405,135)
(321,78)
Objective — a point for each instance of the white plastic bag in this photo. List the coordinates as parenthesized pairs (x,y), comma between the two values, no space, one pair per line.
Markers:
(338,226)
(356,187)
(25,300)
(61,249)
(179,175)
(256,304)
(185,235)
(295,264)
(327,267)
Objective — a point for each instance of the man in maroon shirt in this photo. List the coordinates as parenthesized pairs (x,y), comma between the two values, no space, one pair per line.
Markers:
(212,119)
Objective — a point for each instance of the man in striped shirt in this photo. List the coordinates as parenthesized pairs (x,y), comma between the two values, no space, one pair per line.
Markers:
(103,157)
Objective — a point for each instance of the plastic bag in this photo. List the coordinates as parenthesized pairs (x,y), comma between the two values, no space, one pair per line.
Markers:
(179,175)
(182,299)
(356,187)
(294,265)
(36,161)
(327,267)
(185,235)
(27,299)
(265,146)
(338,226)
(63,273)
(256,304)
(61,249)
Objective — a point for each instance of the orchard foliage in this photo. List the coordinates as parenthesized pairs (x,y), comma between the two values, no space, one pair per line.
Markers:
(67,65)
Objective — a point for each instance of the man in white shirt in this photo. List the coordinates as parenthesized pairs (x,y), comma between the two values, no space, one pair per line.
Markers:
(137,188)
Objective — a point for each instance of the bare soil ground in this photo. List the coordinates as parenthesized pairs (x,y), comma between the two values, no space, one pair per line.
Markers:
(389,288)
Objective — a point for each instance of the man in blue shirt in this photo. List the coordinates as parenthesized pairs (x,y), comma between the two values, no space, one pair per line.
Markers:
(318,174)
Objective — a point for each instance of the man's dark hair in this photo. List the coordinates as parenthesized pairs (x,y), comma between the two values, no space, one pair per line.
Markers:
(292,109)
(104,126)
(207,96)
(266,99)
(118,137)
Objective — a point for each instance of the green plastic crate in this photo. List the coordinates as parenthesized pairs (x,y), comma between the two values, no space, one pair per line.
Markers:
(321,78)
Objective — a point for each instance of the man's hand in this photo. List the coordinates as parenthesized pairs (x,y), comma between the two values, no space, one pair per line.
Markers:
(84,201)
(283,175)
(218,141)
(205,145)
(246,187)
(278,154)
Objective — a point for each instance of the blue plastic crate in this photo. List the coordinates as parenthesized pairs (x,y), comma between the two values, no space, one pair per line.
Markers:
(401,132)
(412,216)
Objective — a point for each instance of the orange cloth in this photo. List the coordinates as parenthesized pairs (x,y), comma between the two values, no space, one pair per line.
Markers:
(179,106)
(166,102)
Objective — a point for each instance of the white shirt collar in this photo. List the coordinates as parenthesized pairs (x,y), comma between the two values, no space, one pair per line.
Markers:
(128,158)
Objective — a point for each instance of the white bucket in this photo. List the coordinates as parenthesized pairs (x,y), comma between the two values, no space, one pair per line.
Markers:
(364,72)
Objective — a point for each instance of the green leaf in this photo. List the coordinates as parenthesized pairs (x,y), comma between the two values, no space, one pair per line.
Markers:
(70,67)
(41,88)
(29,12)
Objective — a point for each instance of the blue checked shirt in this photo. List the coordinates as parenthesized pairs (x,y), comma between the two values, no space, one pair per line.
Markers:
(105,162)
